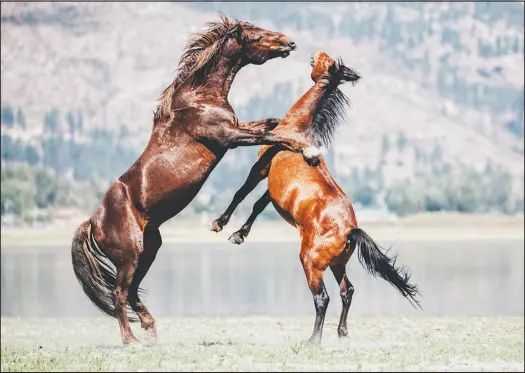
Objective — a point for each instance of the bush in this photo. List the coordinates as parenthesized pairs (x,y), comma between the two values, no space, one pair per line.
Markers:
(18,197)
(463,190)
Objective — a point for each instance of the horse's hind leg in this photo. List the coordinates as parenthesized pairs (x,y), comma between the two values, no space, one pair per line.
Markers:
(152,243)
(347,291)
(314,275)
(124,277)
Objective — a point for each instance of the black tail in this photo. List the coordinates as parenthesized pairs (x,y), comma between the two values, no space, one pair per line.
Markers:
(378,263)
(94,271)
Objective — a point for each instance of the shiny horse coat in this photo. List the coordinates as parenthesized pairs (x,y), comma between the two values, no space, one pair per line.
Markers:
(194,126)
(309,198)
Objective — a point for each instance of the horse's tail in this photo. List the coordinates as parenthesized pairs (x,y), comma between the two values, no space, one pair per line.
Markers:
(378,263)
(93,270)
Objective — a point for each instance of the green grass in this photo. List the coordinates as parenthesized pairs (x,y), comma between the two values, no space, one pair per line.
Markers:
(260,343)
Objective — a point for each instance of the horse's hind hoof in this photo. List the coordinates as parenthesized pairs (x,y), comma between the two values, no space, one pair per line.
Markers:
(342,333)
(313,343)
(130,341)
(236,238)
(151,337)
(216,226)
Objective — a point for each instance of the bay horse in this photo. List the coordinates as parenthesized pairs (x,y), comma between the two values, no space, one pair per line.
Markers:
(193,127)
(309,198)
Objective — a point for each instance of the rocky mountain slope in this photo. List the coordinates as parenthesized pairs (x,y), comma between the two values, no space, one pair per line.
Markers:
(442,82)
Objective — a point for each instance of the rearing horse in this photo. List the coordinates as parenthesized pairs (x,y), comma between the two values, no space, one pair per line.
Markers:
(194,126)
(310,199)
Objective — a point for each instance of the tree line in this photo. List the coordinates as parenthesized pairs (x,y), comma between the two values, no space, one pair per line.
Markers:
(56,170)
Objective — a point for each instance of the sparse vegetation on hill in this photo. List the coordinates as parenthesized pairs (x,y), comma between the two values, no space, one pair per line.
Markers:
(436,124)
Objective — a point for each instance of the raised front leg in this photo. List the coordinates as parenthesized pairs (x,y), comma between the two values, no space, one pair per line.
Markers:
(258,172)
(259,206)
(231,136)
(262,125)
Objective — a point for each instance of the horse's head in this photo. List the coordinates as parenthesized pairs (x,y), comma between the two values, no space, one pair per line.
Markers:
(331,107)
(260,45)
(325,67)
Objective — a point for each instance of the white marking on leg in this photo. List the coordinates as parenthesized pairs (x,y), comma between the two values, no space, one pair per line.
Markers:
(311,152)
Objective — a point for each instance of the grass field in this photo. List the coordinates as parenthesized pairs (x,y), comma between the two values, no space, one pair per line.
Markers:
(260,343)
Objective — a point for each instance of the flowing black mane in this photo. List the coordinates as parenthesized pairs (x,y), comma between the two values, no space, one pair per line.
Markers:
(331,107)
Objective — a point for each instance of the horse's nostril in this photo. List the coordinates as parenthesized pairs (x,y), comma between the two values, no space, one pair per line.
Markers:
(292,44)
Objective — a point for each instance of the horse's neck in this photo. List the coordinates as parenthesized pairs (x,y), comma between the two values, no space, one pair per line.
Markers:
(220,81)
(302,112)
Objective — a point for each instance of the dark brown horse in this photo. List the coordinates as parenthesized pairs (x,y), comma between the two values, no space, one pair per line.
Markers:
(309,198)
(194,126)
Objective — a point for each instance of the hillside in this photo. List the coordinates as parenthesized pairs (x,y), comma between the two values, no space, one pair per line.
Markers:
(442,83)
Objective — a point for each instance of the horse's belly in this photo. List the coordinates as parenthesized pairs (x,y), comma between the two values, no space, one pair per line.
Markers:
(172,179)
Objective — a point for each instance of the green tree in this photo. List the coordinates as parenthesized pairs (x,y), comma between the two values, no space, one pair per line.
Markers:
(385,144)
(365,195)
(71,123)
(52,122)
(45,187)
(401,141)
(435,198)
(31,155)
(18,197)
(12,151)
(7,116)
(417,154)
(80,122)
(516,48)
(20,118)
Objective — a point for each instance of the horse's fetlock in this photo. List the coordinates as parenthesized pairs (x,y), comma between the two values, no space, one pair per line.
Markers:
(148,323)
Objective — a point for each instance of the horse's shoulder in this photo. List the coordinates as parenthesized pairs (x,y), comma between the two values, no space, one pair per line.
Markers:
(218,114)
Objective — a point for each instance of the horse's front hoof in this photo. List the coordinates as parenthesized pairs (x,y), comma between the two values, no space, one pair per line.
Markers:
(130,341)
(151,336)
(236,238)
(342,333)
(216,226)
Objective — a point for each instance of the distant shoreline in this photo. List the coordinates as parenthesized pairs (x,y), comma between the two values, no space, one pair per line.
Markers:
(434,226)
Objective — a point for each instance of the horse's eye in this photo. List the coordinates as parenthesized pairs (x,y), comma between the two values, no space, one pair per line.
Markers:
(256,40)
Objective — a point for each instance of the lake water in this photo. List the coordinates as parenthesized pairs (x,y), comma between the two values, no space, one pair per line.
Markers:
(219,279)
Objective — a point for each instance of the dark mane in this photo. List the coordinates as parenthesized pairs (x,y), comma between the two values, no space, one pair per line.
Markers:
(198,61)
(331,107)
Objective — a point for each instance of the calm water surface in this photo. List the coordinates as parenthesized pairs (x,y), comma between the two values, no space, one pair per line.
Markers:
(456,278)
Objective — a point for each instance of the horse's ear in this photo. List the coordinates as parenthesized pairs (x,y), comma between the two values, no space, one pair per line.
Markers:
(237,32)
(333,68)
